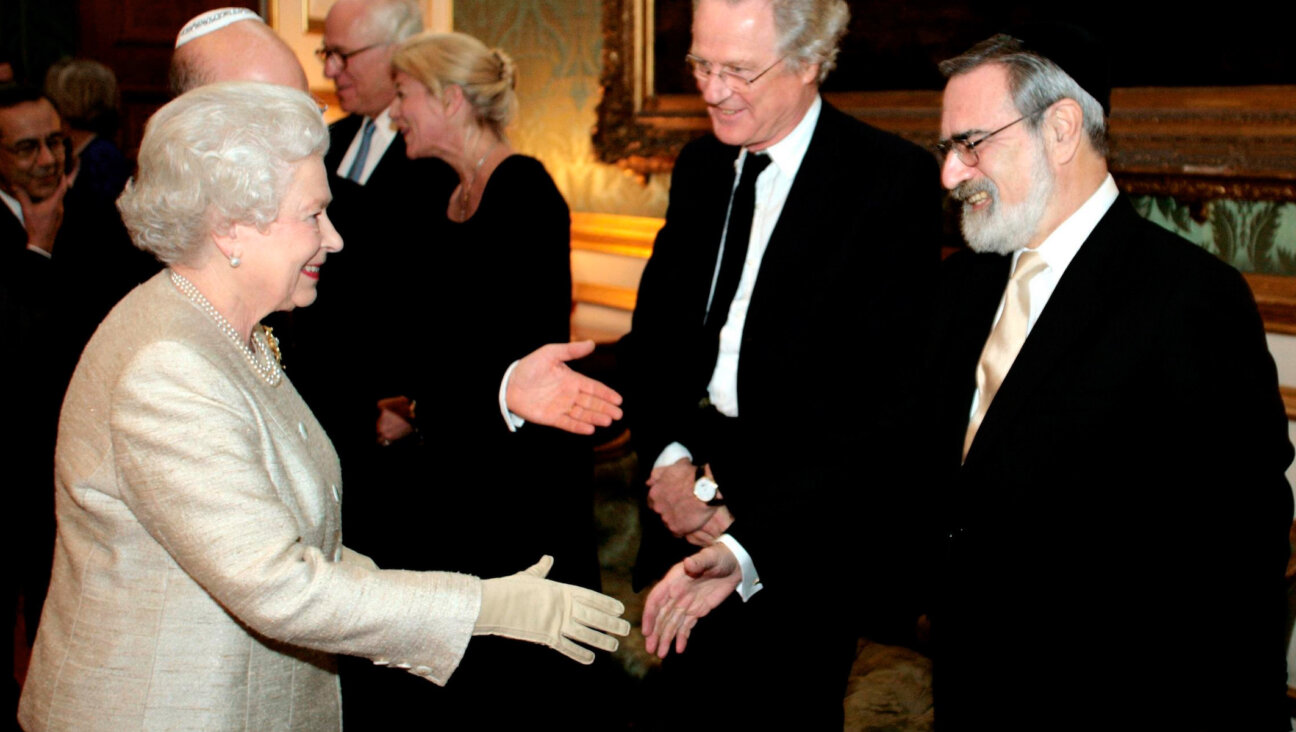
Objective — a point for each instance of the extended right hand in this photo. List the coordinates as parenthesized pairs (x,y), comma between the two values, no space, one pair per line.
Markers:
(526,606)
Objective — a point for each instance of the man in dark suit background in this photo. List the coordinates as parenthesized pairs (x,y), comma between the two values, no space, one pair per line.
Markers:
(36,367)
(775,325)
(1109,434)
(378,197)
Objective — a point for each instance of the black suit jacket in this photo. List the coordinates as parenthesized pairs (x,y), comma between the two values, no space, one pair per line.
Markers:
(367,290)
(1114,544)
(832,327)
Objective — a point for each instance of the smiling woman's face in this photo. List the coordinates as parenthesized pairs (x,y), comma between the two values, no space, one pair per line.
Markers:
(420,117)
(283,263)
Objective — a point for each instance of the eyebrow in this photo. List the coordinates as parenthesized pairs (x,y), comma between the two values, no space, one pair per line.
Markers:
(724,64)
(965,135)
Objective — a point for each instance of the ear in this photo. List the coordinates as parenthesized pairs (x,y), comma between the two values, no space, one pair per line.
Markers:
(809,74)
(227,242)
(1063,129)
(452,96)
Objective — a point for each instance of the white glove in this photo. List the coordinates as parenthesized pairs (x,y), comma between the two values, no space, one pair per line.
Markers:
(526,606)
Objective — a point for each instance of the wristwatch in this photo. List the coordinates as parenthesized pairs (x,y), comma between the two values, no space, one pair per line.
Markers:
(705,489)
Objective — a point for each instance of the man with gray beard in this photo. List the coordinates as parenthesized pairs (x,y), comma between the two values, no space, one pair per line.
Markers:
(1108,431)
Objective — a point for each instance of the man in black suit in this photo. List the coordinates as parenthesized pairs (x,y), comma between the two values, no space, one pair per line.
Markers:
(32,187)
(1109,434)
(774,328)
(378,197)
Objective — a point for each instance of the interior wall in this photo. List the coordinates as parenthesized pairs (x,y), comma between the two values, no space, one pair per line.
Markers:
(557,45)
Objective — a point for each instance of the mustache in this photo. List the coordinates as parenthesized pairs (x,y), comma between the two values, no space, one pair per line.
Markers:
(968,188)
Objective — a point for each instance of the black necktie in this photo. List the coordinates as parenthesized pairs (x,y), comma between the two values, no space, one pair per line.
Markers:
(735,244)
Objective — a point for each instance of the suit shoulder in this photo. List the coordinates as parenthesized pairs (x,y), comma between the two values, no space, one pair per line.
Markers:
(344,129)
(703,150)
(1164,249)
(865,138)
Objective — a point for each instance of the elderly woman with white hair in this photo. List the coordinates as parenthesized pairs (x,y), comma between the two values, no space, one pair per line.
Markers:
(200,580)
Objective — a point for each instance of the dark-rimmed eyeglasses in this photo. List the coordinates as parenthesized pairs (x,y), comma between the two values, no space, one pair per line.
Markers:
(326,54)
(967,149)
(30,148)
(704,70)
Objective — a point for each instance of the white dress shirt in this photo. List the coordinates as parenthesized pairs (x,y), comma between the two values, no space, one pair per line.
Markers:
(383,135)
(772,188)
(1057,251)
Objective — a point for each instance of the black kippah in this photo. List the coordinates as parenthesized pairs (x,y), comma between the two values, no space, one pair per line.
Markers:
(1075,50)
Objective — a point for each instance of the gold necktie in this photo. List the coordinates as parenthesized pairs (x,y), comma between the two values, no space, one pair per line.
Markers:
(1005,340)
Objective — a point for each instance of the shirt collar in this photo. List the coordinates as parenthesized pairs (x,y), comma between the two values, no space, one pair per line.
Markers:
(1060,247)
(13,205)
(788,153)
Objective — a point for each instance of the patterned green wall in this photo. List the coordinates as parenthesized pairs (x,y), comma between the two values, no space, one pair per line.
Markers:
(1254,236)
(557,45)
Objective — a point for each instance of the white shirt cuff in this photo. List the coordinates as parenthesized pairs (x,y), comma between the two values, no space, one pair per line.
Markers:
(750,583)
(510,419)
(671,455)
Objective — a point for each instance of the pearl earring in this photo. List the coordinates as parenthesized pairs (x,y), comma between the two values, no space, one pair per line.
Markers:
(235,261)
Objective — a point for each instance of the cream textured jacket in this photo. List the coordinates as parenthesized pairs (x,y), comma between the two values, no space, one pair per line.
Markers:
(200,580)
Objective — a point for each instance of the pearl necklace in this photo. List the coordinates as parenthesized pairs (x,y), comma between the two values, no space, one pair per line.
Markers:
(265,366)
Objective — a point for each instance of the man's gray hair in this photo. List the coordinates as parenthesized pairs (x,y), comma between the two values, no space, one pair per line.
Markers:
(809,31)
(392,21)
(217,156)
(1035,82)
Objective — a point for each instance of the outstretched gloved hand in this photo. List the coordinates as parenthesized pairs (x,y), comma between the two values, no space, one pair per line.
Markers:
(526,606)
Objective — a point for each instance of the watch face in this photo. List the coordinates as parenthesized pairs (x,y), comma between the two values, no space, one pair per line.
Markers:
(705,489)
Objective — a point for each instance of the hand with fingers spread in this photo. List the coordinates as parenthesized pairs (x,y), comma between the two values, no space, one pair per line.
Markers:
(690,590)
(526,606)
(545,390)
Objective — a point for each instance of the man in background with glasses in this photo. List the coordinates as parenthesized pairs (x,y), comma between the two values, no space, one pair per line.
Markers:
(32,185)
(776,323)
(378,193)
(1106,428)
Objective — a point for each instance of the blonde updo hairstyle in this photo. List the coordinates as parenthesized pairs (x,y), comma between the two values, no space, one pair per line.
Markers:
(214,157)
(486,76)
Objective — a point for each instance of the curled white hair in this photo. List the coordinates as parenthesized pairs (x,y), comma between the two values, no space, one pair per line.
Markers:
(217,156)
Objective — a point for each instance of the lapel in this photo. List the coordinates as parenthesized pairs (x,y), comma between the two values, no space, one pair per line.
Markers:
(808,209)
(974,288)
(392,161)
(709,192)
(13,236)
(1082,298)
(340,136)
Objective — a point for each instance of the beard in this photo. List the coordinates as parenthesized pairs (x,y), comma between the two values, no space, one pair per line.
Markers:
(1002,228)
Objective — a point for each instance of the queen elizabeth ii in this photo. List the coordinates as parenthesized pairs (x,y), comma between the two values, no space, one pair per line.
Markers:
(200,579)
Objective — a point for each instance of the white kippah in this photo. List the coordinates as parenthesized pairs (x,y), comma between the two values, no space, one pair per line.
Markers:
(213,20)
